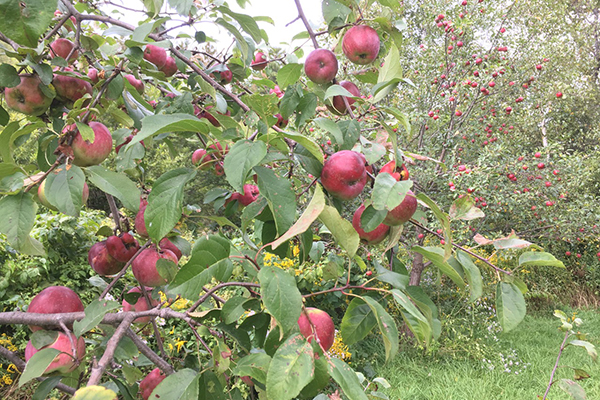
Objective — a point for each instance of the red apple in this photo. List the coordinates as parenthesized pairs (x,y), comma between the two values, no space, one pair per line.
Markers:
(281,123)
(156,55)
(54,300)
(339,107)
(250,195)
(170,67)
(93,75)
(136,83)
(150,382)
(324,329)
(373,237)
(102,262)
(260,62)
(122,247)
(69,88)
(144,266)
(321,66)
(140,223)
(140,305)
(165,243)
(62,48)
(27,97)
(403,212)
(344,174)
(223,76)
(202,158)
(399,174)
(86,153)
(361,44)
(66,361)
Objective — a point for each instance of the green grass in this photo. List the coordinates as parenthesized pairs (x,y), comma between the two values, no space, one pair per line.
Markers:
(414,376)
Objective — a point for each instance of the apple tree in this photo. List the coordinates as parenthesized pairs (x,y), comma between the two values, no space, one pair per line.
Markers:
(302,149)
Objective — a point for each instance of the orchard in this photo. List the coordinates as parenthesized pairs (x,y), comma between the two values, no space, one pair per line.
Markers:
(393,140)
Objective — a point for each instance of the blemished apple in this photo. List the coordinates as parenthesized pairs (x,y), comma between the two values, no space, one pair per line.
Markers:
(44,200)
(399,173)
(144,266)
(324,329)
(339,107)
(170,67)
(62,47)
(156,55)
(250,195)
(403,212)
(361,44)
(102,262)
(140,305)
(321,66)
(86,153)
(64,362)
(136,83)
(259,62)
(27,97)
(281,122)
(344,174)
(54,300)
(69,88)
(373,237)
(122,247)
(150,382)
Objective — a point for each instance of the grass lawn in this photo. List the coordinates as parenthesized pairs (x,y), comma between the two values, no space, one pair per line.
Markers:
(414,376)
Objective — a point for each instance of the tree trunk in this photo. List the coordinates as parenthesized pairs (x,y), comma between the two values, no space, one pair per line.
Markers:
(417,269)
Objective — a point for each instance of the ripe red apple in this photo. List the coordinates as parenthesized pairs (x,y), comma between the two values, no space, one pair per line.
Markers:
(559,95)
(61,48)
(156,55)
(102,262)
(69,88)
(54,300)
(223,77)
(339,107)
(44,200)
(27,97)
(344,174)
(122,247)
(259,63)
(361,44)
(150,382)
(86,153)
(323,324)
(400,173)
(170,67)
(250,195)
(140,223)
(66,361)
(140,305)
(403,212)
(202,158)
(321,66)
(136,83)
(93,75)
(165,243)
(373,237)
(144,266)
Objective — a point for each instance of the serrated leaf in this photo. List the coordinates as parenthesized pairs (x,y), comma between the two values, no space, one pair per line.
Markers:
(358,321)
(64,189)
(307,143)
(254,365)
(341,229)
(247,23)
(371,218)
(116,184)
(310,214)
(9,77)
(510,305)
(156,124)
(337,90)
(536,258)
(417,322)
(264,105)
(86,131)
(472,274)
(165,202)
(239,161)
(182,385)
(280,296)
(167,269)
(94,393)
(233,309)
(436,256)
(288,75)
(331,127)
(389,193)
(24,21)
(333,9)
(387,326)
(280,197)
(241,42)
(94,313)
(45,387)
(291,368)
(37,364)
(346,378)
(18,213)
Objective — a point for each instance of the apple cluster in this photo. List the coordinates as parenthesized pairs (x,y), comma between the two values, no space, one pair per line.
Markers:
(211,157)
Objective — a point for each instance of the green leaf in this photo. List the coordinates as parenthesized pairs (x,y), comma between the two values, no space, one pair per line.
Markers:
(337,90)
(280,296)
(398,281)
(341,229)
(86,131)
(153,7)
(291,368)
(464,209)
(346,378)
(165,202)
(94,393)
(183,7)
(64,189)
(351,133)
(358,321)
(116,184)
(167,269)
(37,364)
(280,196)
(427,307)
(182,385)
(392,67)
(9,77)
(333,9)
(43,338)
(210,257)
(165,123)
(472,274)
(265,105)
(331,127)
(510,305)
(536,258)
(94,313)
(11,133)
(573,389)
(247,23)
(387,326)
(4,116)
(233,309)
(389,193)
(288,75)
(436,256)
(306,109)
(307,143)
(254,365)
(24,21)
(590,348)
(243,156)
(18,213)
(310,214)
(45,387)
(372,218)
(417,322)
(241,42)
(442,217)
